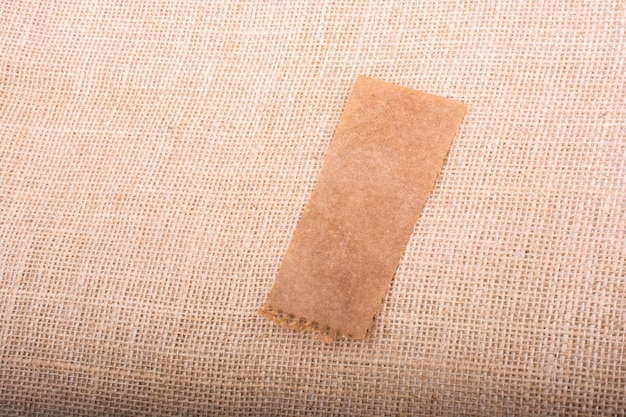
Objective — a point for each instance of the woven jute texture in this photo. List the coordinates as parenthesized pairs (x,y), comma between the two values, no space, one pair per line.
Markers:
(155,159)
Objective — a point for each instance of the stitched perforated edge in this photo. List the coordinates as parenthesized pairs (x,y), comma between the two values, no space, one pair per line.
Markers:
(290,321)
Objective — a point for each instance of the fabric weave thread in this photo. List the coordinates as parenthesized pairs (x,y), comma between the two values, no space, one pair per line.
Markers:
(155,158)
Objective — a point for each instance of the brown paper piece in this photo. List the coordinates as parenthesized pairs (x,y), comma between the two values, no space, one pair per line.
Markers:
(382,163)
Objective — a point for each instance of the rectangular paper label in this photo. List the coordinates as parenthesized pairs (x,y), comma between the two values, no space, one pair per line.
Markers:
(382,163)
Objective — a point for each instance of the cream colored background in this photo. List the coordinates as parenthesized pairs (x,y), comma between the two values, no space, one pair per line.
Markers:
(155,158)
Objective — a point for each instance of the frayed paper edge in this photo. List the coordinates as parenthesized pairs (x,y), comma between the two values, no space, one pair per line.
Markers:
(324,334)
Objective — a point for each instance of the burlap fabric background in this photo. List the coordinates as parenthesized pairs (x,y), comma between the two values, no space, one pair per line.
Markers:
(155,159)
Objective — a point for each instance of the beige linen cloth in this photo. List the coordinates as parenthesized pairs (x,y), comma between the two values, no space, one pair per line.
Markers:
(155,158)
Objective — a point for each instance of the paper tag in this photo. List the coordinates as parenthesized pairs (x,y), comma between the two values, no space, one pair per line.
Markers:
(382,163)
